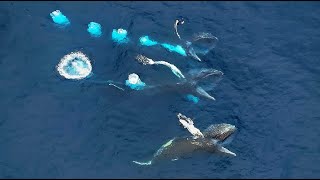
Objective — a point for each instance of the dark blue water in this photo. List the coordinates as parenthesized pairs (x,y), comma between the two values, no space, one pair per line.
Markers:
(56,128)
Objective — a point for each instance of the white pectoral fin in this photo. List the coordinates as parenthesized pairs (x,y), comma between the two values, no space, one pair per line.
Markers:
(193,54)
(173,68)
(199,133)
(203,93)
(178,73)
(226,151)
(184,123)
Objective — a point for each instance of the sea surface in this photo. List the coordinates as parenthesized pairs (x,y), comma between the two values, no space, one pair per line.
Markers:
(51,127)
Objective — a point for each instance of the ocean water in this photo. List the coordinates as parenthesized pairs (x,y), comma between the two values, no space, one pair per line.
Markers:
(51,127)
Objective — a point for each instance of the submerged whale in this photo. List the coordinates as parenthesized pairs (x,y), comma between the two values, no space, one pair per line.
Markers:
(214,137)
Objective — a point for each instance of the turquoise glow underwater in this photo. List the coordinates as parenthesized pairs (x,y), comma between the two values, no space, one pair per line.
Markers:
(94,29)
(172,48)
(119,37)
(138,86)
(146,41)
(60,19)
(192,98)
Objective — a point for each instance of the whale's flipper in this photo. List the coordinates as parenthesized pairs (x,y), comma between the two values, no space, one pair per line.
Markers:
(205,78)
(203,93)
(225,151)
(178,22)
(193,54)
(189,125)
(213,146)
(145,60)
(219,132)
(148,163)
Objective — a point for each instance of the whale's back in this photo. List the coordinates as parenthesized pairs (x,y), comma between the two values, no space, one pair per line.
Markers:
(176,148)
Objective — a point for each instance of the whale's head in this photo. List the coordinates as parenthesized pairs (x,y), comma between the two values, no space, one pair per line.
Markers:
(207,78)
(203,42)
(220,132)
(206,73)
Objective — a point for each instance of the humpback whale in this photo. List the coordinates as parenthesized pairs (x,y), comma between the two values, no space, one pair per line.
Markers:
(201,43)
(199,81)
(198,84)
(179,147)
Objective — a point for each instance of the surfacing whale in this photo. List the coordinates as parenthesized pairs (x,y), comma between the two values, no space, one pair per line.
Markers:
(201,43)
(180,147)
(198,81)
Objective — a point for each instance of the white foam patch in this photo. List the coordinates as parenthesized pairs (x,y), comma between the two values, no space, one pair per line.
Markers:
(134,78)
(75,65)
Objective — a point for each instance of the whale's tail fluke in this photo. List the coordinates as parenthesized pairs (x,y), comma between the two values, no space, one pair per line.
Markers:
(148,163)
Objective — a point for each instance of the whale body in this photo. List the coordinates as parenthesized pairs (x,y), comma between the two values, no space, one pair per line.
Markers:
(180,147)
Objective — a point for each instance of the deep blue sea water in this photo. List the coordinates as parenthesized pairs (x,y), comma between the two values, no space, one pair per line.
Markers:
(56,128)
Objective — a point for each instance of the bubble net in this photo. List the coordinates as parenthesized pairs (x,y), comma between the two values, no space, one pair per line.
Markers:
(75,65)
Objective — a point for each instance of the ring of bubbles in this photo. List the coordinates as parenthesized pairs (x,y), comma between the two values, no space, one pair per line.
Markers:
(75,65)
